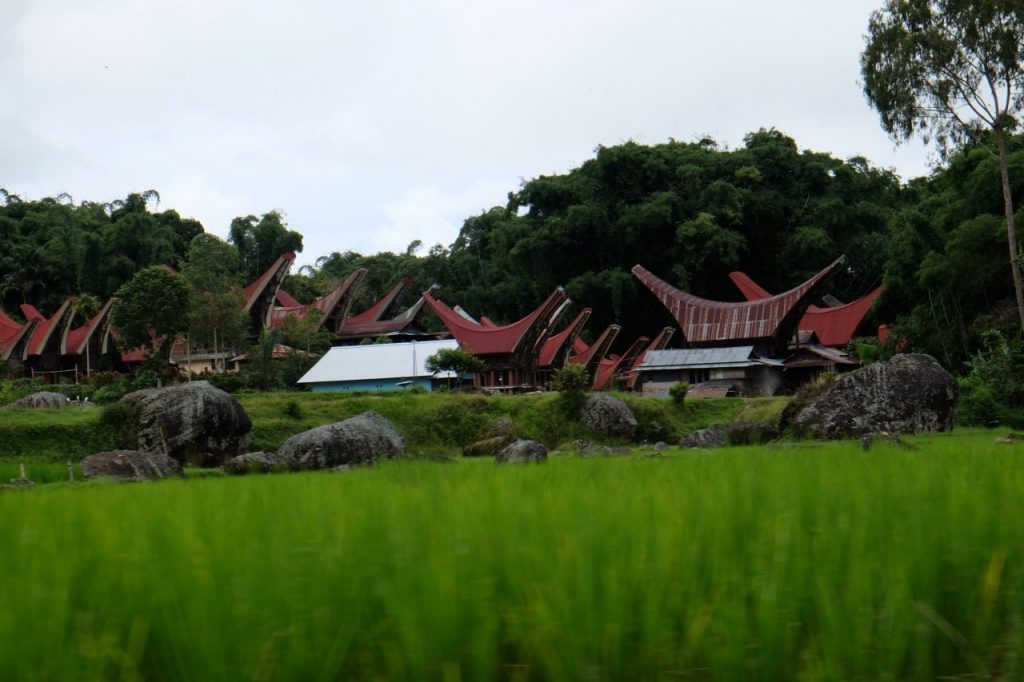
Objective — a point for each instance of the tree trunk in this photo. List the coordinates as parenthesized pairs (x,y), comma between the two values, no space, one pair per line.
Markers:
(1011,231)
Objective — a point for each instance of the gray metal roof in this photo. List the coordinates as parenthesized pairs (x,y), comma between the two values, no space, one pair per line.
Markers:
(700,358)
(377,361)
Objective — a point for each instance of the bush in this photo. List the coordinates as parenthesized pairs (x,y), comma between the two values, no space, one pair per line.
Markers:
(978,403)
(572,383)
(229,381)
(678,393)
(292,409)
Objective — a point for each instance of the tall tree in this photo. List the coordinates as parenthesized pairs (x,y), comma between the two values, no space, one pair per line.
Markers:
(951,70)
(152,309)
(212,270)
(261,240)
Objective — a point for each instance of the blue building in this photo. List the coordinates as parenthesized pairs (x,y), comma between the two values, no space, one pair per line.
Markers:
(378,367)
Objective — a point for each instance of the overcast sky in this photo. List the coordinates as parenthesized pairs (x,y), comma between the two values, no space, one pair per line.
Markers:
(371,124)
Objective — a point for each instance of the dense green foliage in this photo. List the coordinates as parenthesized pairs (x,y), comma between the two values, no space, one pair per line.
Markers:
(805,562)
(953,70)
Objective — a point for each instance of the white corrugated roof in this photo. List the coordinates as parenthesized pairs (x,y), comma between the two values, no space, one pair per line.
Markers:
(377,361)
(698,358)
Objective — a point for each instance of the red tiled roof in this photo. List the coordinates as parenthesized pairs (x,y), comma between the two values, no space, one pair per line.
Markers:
(384,308)
(833,326)
(267,283)
(707,322)
(511,338)
(558,343)
(334,305)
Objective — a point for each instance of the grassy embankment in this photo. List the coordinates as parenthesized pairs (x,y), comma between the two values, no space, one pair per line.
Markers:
(430,423)
(782,562)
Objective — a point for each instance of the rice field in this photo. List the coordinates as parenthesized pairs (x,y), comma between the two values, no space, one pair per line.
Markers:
(796,561)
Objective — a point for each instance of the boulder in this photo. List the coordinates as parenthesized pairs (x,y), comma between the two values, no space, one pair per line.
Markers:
(131,465)
(910,393)
(607,414)
(521,451)
(716,436)
(487,446)
(358,440)
(254,463)
(194,423)
(42,400)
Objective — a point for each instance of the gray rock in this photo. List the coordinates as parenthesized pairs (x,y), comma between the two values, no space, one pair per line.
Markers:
(716,436)
(661,446)
(362,439)
(254,463)
(42,400)
(194,423)
(908,394)
(607,414)
(131,465)
(521,451)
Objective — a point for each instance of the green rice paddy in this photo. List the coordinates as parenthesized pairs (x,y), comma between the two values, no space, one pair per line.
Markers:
(799,561)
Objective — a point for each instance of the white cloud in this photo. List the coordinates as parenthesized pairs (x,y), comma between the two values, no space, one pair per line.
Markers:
(373,124)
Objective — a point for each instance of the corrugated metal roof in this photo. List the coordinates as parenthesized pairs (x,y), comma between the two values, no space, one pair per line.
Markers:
(699,358)
(377,361)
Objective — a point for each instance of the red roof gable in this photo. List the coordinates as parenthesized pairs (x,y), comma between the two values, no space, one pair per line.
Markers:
(707,322)
(12,333)
(45,328)
(833,326)
(334,305)
(562,341)
(78,338)
(511,338)
(596,352)
(610,366)
(383,308)
(659,343)
(287,300)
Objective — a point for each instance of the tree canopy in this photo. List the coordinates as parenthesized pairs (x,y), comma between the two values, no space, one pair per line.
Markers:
(952,70)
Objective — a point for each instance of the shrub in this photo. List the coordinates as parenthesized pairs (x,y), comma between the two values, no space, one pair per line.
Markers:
(572,383)
(978,403)
(229,381)
(678,393)
(292,409)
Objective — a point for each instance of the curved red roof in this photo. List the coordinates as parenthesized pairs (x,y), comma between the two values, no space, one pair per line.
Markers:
(43,332)
(593,356)
(334,305)
(511,338)
(705,322)
(833,326)
(11,334)
(561,343)
(610,366)
(78,338)
(659,343)
(384,308)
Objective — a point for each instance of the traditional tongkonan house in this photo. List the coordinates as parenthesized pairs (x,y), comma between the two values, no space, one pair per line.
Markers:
(593,355)
(42,353)
(759,331)
(768,324)
(381,320)
(333,307)
(834,326)
(14,337)
(83,347)
(556,350)
(512,351)
(261,294)
(660,341)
